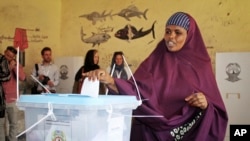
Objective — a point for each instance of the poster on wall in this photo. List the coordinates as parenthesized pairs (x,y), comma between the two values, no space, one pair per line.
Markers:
(233,78)
(68,66)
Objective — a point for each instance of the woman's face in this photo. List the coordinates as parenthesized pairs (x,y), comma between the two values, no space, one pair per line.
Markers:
(96,58)
(175,37)
(118,60)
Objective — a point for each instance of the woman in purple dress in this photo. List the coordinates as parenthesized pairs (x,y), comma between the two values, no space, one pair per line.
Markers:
(178,81)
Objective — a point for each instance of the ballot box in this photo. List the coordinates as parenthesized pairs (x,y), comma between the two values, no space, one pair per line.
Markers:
(73,117)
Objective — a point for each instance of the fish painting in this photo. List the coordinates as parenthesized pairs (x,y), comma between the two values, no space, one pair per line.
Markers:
(105,29)
(130,32)
(132,11)
(96,38)
(95,16)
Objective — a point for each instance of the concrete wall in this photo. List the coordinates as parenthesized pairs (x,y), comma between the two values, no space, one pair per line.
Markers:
(224,26)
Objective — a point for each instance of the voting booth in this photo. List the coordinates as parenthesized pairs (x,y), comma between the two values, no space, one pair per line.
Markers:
(233,78)
(73,117)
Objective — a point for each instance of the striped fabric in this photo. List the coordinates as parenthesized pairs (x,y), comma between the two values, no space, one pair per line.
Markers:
(179,19)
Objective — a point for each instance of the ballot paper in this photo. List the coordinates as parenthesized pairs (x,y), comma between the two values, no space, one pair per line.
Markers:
(90,88)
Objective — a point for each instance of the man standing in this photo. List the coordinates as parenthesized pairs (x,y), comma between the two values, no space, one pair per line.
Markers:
(48,73)
(4,76)
(10,91)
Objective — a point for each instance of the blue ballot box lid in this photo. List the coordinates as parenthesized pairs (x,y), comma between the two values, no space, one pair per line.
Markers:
(76,101)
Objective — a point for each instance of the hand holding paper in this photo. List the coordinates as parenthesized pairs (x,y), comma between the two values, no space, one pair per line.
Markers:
(90,88)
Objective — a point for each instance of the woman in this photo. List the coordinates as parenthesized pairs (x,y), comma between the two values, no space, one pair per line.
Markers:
(90,63)
(178,81)
(117,68)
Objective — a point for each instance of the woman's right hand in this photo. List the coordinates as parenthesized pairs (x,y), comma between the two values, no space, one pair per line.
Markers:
(101,75)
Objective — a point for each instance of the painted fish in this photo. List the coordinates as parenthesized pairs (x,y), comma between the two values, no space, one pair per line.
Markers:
(95,16)
(105,29)
(129,32)
(132,11)
(96,38)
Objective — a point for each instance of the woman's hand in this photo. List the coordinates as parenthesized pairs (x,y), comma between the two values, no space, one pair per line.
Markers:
(103,77)
(197,100)
(99,74)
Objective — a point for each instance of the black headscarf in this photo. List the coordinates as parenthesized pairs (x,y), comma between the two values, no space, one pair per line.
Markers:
(88,64)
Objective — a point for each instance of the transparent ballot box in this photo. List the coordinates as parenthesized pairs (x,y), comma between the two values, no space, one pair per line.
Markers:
(74,117)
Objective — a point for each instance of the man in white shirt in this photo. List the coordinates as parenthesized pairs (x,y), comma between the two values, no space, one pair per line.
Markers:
(48,72)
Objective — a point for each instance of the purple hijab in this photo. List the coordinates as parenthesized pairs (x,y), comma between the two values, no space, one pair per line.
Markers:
(166,79)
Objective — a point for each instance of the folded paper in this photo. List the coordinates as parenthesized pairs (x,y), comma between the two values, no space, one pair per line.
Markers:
(90,88)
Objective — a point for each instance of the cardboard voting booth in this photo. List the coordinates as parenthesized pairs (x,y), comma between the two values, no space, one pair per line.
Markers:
(72,117)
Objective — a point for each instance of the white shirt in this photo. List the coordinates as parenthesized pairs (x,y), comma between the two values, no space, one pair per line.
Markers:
(51,70)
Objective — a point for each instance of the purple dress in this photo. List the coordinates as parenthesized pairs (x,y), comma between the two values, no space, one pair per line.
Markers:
(166,79)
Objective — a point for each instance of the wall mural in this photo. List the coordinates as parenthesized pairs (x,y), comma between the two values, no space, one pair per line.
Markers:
(96,38)
(128,32)
(105,29)
(132,11)
(96,16)
(34,36)
(6,38)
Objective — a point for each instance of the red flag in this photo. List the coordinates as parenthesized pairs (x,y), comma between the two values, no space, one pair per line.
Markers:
(20,39)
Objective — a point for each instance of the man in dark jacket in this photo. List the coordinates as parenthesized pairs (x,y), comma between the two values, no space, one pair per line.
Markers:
(4,76)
